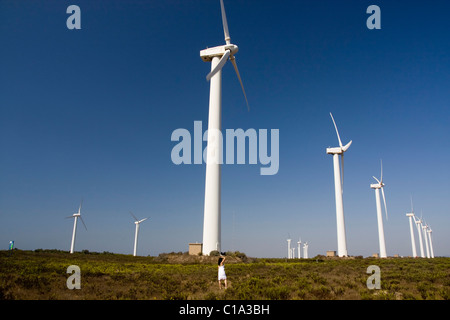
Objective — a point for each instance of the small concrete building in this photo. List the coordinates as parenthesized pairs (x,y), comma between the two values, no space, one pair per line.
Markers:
(331,253)
(195,248)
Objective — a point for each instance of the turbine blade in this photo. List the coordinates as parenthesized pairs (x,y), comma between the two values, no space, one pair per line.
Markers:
(225,24)
(233,61)
(68,217)
(377,180)
(79,209)
(412,207)
(133,216)
(344,148)
(384,199)
(83,223)
(219,66)
(381,179)
(142,220)
(339,138)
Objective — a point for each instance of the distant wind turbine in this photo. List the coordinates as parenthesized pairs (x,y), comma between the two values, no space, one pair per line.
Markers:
(305,250)
(411,229)
(299,244)
(137,222)
(431,242)
(419,231)
(76,215)
(377,187)
(289,248)
(338,187)
(425,235)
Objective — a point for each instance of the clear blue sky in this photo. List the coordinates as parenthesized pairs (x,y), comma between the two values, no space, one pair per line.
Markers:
(88,114)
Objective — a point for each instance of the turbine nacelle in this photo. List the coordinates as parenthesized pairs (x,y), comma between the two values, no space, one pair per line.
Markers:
(339,150)
(136,220)
(378,185)
(209,53)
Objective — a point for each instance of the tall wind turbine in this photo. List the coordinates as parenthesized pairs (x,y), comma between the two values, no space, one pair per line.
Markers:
(76,215)
(218,56)
(137,222)
(411,229)
(299,244)
(377,186)
(305,250)
(338,185)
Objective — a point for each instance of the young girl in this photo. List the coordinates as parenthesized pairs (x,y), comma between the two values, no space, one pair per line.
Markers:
(222,275)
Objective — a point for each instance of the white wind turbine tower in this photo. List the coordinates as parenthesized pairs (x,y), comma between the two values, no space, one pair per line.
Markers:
(137,222)
(338,185)
(429,231)
(305,250)
(419,231)
(299,244)
(377,187)
(218,56)
(76,215)
(424,230)
(411,229)
(289,248)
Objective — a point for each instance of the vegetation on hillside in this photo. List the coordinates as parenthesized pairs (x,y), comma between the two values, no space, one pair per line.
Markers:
(42,274)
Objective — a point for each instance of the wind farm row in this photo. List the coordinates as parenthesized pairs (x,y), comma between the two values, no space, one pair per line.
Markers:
(77,215)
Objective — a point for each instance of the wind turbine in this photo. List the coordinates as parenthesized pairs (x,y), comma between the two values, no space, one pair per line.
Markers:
(137,222)
(299,244)
(289,248)
(338,185)
(305,250)
(76,215)
(431,242)
(419,231)
(218,56)
(377,187)
(424,230)
(411,229)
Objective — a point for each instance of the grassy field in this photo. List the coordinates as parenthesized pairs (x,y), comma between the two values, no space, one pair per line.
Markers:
(42,274)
